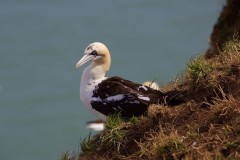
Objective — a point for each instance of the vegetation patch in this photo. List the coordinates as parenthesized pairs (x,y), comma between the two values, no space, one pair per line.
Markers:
(208,78)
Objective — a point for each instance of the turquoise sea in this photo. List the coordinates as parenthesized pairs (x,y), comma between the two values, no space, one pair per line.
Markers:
(41,115)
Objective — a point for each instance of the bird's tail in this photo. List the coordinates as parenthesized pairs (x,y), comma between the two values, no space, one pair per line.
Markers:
(174,98)
(96,125)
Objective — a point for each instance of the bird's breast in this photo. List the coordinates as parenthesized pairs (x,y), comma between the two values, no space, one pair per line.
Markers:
(87,88)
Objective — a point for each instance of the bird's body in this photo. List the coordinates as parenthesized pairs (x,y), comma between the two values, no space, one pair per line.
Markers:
(152,85)
(115,95)
(105,96)
(87,87)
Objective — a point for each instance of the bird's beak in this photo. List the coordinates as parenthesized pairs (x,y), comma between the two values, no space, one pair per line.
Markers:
(84,59)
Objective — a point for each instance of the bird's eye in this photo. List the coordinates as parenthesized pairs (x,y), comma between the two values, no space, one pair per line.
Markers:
(94,53)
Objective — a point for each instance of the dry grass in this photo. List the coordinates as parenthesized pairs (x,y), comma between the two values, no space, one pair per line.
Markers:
(207,126)
(206,76)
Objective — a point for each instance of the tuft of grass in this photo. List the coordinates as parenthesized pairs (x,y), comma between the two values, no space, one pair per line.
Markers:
(205,76)
(193,131)
(232,46)
(169,146)
(164,144)
(87,145)
(198,69)
(111,138)
(114,132)
(69,156)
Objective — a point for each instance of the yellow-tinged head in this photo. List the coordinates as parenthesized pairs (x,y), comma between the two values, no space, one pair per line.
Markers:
(98,53)
(152,85)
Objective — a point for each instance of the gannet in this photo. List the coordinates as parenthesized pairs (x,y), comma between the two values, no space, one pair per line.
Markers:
(98,125)
(152,85)
(105,96)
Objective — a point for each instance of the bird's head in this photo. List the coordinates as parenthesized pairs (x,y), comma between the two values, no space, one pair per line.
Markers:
(98,53)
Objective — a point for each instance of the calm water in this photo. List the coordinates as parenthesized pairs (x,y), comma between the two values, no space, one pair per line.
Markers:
(41,116)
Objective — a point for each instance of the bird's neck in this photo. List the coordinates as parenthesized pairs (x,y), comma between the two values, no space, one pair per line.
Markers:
(93,73)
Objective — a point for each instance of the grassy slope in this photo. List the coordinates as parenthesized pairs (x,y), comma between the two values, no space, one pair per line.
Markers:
(207,126)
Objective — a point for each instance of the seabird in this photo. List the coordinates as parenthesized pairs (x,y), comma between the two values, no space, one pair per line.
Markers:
(152,85)
(105,96)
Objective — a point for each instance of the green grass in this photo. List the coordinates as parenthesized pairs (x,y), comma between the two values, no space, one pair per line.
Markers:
(87,145)
(114,132)
(206,76)
(112,136)
(168,144)
(69,156)
(198,69)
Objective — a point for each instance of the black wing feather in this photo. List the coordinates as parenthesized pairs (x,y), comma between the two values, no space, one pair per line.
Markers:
(130,105)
